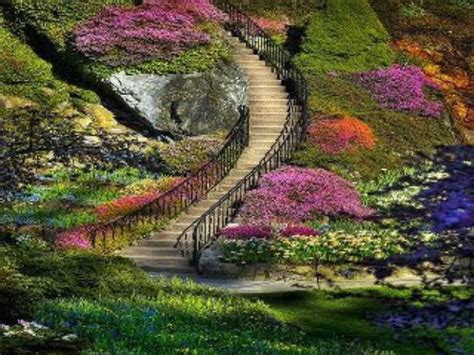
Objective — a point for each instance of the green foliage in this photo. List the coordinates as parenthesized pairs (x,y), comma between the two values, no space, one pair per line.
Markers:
(412,10)
(189,154)
(20,64)
(348,314)
(399,136)
(347,36)
(55,19)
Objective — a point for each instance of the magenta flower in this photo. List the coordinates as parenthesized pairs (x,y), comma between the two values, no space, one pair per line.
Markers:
(247,232)
(293,195)
(155,30)
(74,239)
(401,88)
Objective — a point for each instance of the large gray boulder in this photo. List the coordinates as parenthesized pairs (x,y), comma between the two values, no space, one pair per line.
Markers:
(190,104)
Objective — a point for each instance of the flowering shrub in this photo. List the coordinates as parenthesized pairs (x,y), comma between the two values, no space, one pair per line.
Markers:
(292,231)
(201,9)
(149,186)
(144,195)
(272,26)
(335,136)
(125,205)
(292,195)
(74,239)
(155,30)
(401,88)
(247,232)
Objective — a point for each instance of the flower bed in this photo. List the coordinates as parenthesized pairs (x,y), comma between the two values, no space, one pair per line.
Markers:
(293,195)
(334,246)
(336,136)
(156,30)
(401,88)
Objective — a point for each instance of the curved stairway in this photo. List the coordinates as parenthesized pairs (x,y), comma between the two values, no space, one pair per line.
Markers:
(268,113)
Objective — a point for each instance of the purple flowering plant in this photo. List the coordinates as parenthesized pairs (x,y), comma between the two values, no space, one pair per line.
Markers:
(247,232)
(155,30)
(401,88)
(293,195)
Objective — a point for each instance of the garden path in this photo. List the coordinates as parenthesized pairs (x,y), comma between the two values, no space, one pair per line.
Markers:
(268,113)
(262,287)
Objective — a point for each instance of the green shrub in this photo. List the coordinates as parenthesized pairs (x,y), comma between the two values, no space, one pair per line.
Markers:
(347,36)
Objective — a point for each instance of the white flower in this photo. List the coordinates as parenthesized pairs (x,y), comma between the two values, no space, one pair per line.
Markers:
(4,327)
(70,337)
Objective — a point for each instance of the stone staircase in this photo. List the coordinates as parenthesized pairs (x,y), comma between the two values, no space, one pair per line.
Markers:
(268,112)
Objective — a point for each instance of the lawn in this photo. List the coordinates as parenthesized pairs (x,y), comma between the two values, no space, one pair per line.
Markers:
(351,315)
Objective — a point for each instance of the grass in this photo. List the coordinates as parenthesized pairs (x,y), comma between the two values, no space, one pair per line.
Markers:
(347,36)
(347,314)
(115,307)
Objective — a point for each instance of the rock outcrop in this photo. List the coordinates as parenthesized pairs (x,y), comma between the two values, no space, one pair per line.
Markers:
(190,104)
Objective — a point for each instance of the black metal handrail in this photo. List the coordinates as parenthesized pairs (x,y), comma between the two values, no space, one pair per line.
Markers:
(183,195)
(204,231)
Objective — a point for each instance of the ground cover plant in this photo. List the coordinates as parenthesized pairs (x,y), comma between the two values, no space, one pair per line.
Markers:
(85,301)
(81,33)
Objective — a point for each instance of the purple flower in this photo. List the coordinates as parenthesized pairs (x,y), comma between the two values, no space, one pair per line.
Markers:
(247,232)
(292,195)
(155,30)
(401,88)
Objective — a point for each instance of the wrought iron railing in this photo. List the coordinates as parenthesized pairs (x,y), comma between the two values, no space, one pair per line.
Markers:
(188,192)
(204,231)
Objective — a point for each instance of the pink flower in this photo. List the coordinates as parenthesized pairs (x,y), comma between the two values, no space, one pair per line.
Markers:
(401,88)
(74,239)
(155,30)
(293,195)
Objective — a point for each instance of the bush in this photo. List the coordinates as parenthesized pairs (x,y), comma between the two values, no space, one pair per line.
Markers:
(127,36)
(401,88)
(293,195)
(347,36)
(335,136)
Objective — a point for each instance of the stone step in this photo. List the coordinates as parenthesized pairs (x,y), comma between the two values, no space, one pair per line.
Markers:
(267,89)
(269,96)
(248,56)
(254,62)
(270,101)
(245,50)
(262,117)
(258,70)
(266,129)
(260,75)
(269,108)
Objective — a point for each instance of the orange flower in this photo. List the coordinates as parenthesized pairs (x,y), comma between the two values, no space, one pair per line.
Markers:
(336,136)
